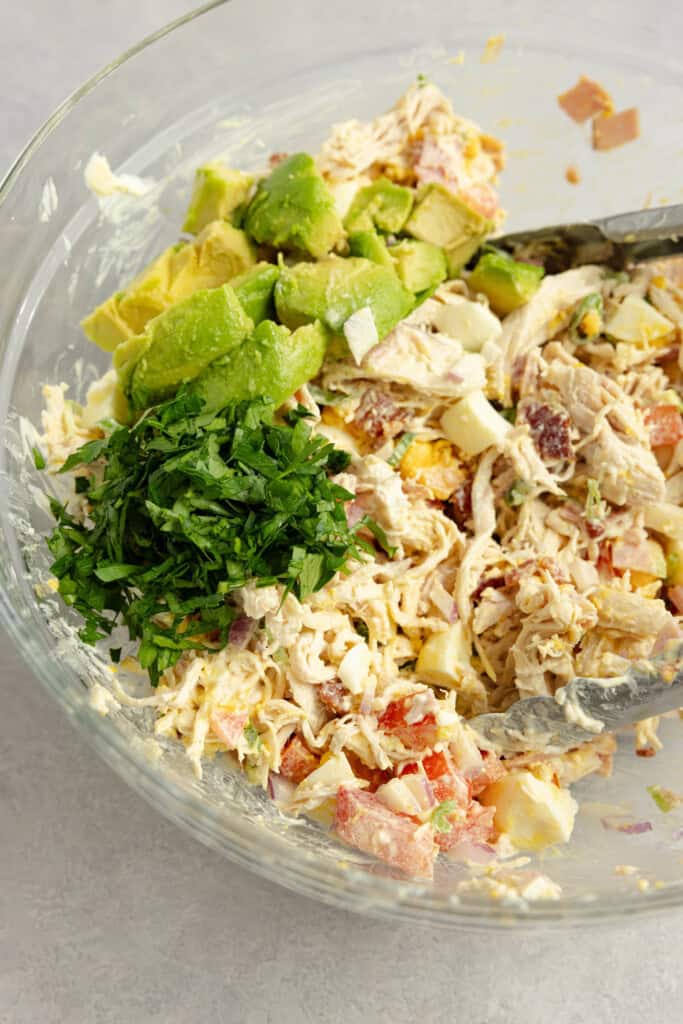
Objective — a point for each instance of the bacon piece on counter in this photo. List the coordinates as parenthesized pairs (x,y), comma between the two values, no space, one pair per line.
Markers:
(586,99)
(616,129)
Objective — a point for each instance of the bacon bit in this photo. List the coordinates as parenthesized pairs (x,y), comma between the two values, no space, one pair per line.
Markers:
(378,418)
(616,129)
(334,697)
(375,777)
(297,761)
(646,752)
(675,595)
(276,158)
(417,735)
(549,429)
(586,99)
(495,582)
(481,198)
(228,727)
(459,506)
(666,425)
(494,45)
(572,174)
(365,823)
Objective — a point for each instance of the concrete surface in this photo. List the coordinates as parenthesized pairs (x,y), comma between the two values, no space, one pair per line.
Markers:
(110,914)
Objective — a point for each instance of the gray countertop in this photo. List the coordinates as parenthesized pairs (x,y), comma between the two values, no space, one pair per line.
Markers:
(110,914)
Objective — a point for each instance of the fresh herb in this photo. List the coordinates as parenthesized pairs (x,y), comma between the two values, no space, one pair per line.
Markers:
(38,458)
(665,799)
(187,506)
(400,448)
(586,323)
(422,80)
(323,396)
(517,494)
(440,814)
(361,628)
(251,734)
(595,506)
(509,414)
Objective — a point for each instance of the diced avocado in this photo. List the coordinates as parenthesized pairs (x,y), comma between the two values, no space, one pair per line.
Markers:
(294,209)
(181,342)
(331,290)
(218,192)
(217,254)
(506,283)
(382,205)
(441,218)
(272,364)
(254,289)
(420,265)
(370,246)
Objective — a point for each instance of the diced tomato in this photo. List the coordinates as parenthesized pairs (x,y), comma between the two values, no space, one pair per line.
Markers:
(375,777)
(446,782)
(297,761)
(477,827)
(228,727)
(378,418)
(616,129)
(666,425)
(436,765)
(415,735)
(334,696)
(365,823)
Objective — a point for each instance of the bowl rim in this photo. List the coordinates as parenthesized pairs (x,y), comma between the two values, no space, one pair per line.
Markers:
(350,888)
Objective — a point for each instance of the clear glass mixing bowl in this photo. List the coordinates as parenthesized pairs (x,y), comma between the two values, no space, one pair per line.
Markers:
(228,81)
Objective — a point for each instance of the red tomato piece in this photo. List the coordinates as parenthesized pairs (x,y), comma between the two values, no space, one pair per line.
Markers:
(477,827)
(228,727)
(365,823)
(666,425)
(414,735)
(297,761)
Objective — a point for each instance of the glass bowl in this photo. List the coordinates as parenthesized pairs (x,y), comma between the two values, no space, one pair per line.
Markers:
(227,81)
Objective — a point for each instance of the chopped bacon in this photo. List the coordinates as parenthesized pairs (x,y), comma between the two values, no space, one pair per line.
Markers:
(645,751)
(334,697)
(375,777)
(297,761)
(675,595)
(666,425)
(616,129)
(482,198)
(228,727)
(476,828)
(494,582)
(440,161)
(415,735)
(586,99)
(378,418)
(447,782)
(363,821)
(549,429)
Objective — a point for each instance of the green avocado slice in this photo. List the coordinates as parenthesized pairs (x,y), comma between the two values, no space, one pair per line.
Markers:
(420,265)
(370,246)
(383,206)
(272,364)
(180,343)
(254,288)
(332,289)
(218,194)
(293,209)
(441,218)
(507,283)
(218,253)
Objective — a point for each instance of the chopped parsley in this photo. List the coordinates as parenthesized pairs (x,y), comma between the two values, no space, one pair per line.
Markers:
(665,799)
(517,494)
(189,506)
(440,814)
(401,448)
(595,506)
(38,458)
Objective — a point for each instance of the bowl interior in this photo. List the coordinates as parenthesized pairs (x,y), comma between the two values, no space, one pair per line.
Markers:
(65,251)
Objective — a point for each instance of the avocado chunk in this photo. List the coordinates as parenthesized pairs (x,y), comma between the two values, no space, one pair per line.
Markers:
(181,342)
(294,209)
(272,364)
(506,283)
(441,218)
(420,265)
(218,194)
(370,246)
(217,254)
(383,206)
(254,289)
(331,290)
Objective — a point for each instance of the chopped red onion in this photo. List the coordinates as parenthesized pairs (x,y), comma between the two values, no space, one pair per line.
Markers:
(630,828)
(241,631)
(354,512)
(477,853)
